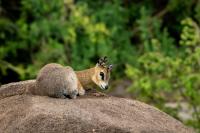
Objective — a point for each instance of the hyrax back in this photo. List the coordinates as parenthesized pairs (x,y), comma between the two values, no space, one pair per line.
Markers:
(57,81)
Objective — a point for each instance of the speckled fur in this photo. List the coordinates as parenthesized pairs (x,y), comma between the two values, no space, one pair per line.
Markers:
(57,81)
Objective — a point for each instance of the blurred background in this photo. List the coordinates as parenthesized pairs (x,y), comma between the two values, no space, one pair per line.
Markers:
(153,44)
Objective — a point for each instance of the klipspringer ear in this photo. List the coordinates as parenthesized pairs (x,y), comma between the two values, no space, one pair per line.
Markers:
(110,67)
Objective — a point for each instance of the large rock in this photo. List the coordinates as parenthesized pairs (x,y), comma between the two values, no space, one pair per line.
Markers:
(27,113)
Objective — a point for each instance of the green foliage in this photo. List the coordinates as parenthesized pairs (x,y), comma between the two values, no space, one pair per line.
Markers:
(153,43)
(190,35)
(157,75)
(68,33)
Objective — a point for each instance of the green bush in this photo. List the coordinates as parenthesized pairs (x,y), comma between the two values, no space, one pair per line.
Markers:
(158,75)
(62,32)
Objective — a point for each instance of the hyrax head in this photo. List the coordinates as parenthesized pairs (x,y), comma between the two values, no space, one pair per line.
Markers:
(102,73)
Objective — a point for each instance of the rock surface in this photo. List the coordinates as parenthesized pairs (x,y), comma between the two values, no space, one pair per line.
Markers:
(34,114)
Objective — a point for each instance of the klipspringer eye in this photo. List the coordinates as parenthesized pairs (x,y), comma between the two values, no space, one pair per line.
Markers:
(102,75)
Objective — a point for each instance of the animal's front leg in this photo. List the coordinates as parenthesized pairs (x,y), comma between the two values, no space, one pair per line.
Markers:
(99,94)
(81,91)
(94,92)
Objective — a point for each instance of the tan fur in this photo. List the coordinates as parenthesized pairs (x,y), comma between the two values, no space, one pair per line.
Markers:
(90,77)
(85,77)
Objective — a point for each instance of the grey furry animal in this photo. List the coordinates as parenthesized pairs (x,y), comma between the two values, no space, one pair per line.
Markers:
(57,81)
